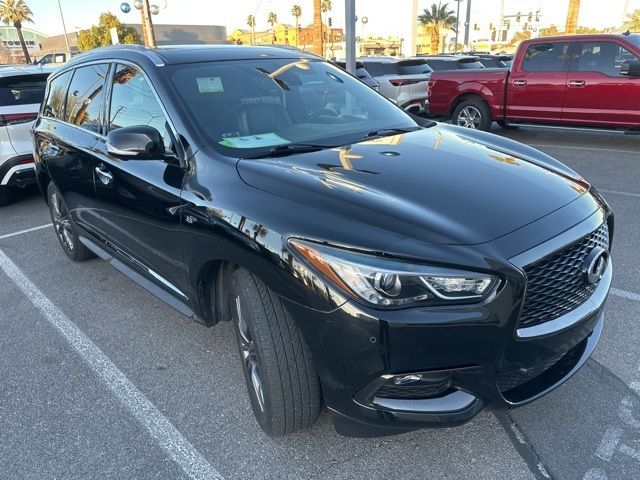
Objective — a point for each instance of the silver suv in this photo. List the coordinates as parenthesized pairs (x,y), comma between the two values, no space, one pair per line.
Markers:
(21,93)
(402,80)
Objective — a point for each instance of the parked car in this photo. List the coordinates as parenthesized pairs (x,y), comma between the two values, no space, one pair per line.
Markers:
(582,80)
(403,81)
(54,58)
(404,274)
(362,74)
(453,62)
(21,92)
(493,60)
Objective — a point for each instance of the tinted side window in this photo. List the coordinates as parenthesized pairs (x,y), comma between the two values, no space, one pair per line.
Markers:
(545,57)
(84,99)
(22,89)
(54,107)
(413,68)
(377,69)
(603,57)
(134,103)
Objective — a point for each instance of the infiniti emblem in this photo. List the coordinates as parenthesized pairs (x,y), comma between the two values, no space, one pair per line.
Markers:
(595,264)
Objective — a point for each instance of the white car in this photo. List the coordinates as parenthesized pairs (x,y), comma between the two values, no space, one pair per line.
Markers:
(21,92)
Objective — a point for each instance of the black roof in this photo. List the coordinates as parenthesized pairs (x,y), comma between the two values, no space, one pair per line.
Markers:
(176,54)
(452,58)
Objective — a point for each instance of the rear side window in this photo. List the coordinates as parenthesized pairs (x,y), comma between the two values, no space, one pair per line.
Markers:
(545,57)
(413,68)
(603,57)
(377,69)
(22,89)
(470,65)
(134,103)
(84,100)
(54,107)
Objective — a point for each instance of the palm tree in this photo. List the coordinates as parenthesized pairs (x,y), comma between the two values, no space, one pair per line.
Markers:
(272,20)
(435,20)
(633,22)
(16,12)
(296,11)
(251,23)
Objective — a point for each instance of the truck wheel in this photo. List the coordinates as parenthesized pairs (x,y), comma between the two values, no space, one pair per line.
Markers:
(283,385)
(4,196)
(473,113)
(65,228)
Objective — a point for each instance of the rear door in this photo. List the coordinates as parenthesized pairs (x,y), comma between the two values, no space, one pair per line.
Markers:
(597,95)
(65,136)
(538,83)
(139,200)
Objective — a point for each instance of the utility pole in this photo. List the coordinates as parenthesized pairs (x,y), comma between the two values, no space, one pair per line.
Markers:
(467,26)
(147,25)
(64,28)
(350,34)
(455,42)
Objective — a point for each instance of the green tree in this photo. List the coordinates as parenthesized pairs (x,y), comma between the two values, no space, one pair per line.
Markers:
(439,18)
(272,19)
(633,22)
(16,12)
(100,35)
(296,11)
(251,23)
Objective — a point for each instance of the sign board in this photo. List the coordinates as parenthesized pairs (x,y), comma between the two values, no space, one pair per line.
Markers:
(114,36)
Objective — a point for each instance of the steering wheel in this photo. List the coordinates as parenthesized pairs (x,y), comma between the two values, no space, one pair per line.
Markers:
(318,113)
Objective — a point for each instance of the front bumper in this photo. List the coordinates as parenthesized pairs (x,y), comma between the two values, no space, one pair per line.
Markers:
(483,356)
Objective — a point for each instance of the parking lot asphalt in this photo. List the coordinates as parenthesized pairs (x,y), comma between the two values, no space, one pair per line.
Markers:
(62,414)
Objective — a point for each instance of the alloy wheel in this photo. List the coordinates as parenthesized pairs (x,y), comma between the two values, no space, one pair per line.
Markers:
(61,221)
(469,117)
(249,355)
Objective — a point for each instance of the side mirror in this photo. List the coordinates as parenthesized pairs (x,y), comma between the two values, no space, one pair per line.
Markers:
(139,142)
(630,69)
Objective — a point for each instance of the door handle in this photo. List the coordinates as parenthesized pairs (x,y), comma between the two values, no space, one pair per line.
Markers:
(576,83)
(105,177)
(519,83)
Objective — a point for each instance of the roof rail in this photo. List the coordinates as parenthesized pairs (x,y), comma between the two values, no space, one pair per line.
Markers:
(150,53)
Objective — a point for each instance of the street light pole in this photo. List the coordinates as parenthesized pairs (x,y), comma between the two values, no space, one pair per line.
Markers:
(467,25)
(455,47)
(350,34)
(64,28)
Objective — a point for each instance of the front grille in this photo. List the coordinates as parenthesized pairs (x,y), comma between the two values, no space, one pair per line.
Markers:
(556,284)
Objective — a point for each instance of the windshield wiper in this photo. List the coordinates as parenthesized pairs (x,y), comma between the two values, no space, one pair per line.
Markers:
(383,132)
(289,149)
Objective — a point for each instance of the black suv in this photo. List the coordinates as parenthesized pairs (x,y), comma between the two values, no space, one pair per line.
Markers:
(405,275)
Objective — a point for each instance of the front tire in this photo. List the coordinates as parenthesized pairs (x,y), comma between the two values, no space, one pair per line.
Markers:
(473,113)
(65,228)
(283,385)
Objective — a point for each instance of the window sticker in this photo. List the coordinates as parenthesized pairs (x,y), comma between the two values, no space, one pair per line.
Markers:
(254,141)
(210,85)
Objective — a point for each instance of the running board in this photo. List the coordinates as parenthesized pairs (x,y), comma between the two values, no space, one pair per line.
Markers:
(148,285)
(572,127)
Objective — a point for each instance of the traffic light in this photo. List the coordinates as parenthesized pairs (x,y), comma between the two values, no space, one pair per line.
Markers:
(507,24)
(537,15)
(330,22)
(491,26)
(529,17)
(518,15)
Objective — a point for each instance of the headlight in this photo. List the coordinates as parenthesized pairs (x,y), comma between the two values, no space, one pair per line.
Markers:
(391,283)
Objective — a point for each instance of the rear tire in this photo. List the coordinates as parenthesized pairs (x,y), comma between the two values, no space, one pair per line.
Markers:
(4,196)
(283,385)
(65,228)
(473,113)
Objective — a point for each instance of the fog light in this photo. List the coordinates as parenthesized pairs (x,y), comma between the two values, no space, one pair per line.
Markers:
(406,379)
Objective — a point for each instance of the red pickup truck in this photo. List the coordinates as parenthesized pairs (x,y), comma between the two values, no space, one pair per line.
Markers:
(581,80)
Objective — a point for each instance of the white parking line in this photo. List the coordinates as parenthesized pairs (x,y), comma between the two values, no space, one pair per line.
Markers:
(625,294)
(618,192)
(20,232)
(162,431)
(576,147)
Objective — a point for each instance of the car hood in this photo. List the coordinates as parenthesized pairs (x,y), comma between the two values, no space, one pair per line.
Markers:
(437,185)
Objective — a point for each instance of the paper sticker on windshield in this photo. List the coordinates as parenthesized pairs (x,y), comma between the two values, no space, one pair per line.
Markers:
(254,141)
(210,85)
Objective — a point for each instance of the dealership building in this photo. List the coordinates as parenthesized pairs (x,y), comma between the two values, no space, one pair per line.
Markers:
(11,50)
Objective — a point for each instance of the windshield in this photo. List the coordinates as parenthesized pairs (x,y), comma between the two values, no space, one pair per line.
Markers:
(244,108)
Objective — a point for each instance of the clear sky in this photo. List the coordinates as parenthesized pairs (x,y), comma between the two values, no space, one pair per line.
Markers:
(385,16)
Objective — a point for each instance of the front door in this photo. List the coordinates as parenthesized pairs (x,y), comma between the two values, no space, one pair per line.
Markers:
(597,95)
(537,84)
(139,200)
